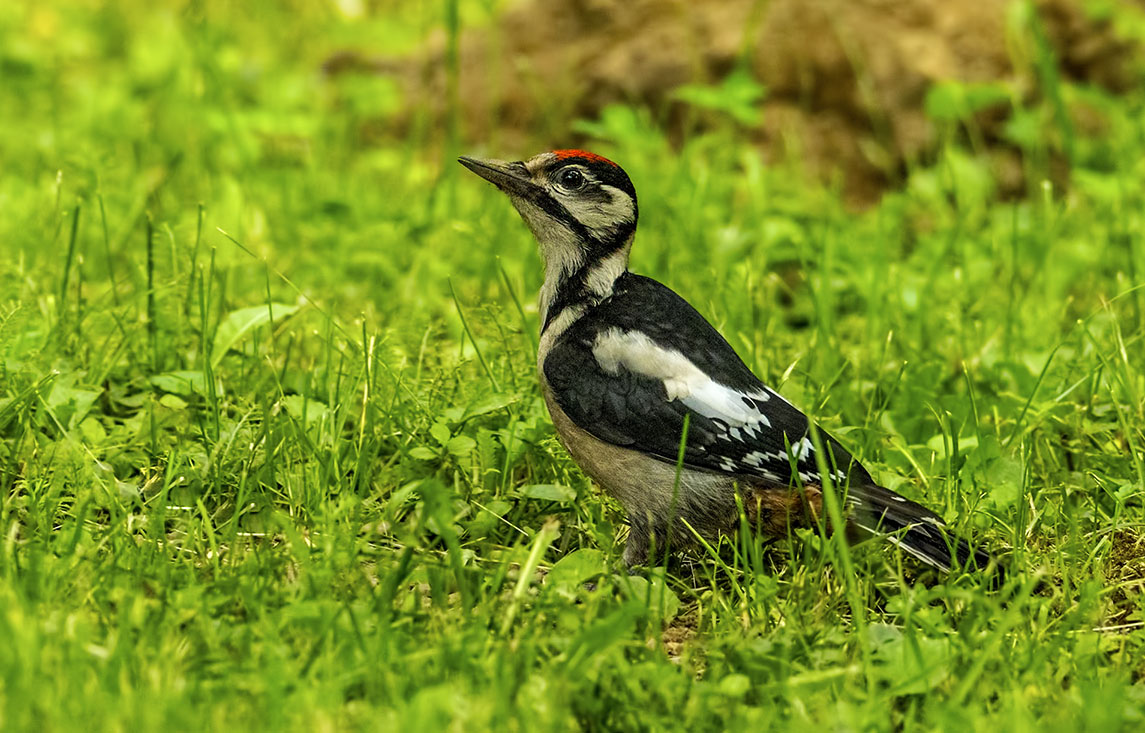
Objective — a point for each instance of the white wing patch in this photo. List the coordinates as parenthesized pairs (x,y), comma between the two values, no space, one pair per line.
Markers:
(682,380)
(739,413)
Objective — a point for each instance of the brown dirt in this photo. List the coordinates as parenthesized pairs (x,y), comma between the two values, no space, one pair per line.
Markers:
(678,634)
(846,79)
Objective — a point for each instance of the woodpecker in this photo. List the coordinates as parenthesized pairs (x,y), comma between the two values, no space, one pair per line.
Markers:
(633,376)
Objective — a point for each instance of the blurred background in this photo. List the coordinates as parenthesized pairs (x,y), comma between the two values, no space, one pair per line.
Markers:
(303,126)
(862,90)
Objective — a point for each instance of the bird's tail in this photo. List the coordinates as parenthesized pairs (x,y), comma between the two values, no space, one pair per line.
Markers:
(914,528)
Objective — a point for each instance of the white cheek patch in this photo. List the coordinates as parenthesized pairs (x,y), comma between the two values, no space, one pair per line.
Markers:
(682,379)
(601,218)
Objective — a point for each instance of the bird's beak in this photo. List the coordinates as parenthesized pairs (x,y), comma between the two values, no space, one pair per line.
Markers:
(512,178)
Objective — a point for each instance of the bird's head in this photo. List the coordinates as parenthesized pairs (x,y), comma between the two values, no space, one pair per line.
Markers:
(580,206)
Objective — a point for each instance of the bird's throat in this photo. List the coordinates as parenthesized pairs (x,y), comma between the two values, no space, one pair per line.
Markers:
(583,285)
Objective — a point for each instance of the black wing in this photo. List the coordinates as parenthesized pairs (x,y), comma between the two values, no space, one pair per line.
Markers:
(631,370)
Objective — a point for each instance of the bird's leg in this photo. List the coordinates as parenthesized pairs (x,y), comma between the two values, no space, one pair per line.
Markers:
(636,551)
(647,540)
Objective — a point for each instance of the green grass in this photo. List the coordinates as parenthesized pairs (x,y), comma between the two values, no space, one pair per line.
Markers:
(272,452)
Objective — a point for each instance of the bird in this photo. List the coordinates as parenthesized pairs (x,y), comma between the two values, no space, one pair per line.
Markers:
(655,405)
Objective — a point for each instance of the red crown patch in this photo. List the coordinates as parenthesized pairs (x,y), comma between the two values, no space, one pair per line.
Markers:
(562,154)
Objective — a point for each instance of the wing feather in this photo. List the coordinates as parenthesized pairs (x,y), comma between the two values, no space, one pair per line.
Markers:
(628,380)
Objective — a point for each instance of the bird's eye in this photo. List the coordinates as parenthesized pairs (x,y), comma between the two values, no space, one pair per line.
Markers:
(570,179)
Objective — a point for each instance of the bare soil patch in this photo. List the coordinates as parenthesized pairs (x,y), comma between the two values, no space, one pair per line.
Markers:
(846,79)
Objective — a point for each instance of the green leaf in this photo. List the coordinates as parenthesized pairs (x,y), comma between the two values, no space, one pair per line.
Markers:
(987,94)
(970,176)
(440,432)
(236,325)
(739,96)
(173,402)
(69,404)
(599,636)
(950,101)
(549,492)
(422,453)
(93,431)
(182,383)
(999,473)
(305,409)
(735,685)
(912,665)
(571,572)
(492,403)
(461,445)
(940,443)
(652,592)
(1024,129)
(488,516)
(944,102)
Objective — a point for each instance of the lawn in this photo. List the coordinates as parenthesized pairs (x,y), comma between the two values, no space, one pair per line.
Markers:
(273,454)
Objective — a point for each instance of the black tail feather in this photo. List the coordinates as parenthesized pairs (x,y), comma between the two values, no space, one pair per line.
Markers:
(916,529)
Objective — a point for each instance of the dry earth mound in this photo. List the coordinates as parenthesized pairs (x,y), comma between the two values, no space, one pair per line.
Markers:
(846,80)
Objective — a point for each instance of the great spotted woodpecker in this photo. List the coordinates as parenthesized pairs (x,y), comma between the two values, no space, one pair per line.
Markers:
(627,366)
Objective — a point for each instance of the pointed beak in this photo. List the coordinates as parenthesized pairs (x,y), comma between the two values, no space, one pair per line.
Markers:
(511,178)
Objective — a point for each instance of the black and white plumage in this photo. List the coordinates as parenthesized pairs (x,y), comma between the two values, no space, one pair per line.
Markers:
(624,362)
(636,364)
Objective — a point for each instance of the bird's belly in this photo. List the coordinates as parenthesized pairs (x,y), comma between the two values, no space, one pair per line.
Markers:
(645,485)
(649,488)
